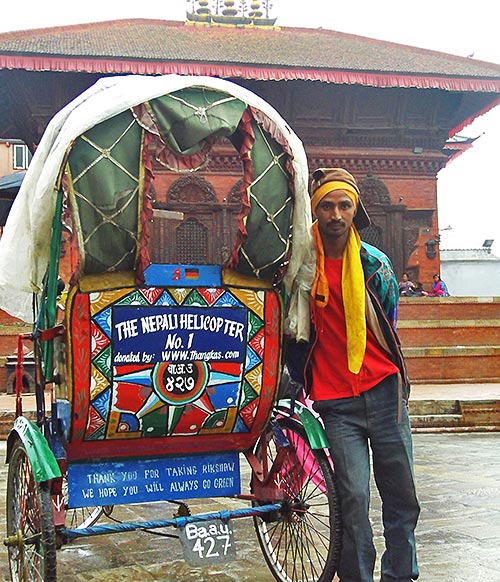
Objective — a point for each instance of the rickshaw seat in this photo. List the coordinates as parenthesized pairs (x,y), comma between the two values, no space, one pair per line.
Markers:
(169,370)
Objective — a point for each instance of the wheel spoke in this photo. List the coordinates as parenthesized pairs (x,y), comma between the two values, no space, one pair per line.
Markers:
(32,554)
(302,544)
(81,517)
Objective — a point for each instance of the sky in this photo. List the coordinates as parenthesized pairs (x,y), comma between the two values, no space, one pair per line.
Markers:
(468,188)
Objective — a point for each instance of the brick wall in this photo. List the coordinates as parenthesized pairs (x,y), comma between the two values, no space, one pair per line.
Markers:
(451,339)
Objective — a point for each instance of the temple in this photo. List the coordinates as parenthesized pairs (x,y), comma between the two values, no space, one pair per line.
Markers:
(391,114)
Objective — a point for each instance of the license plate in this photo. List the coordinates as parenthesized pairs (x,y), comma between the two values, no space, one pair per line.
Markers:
(208,542)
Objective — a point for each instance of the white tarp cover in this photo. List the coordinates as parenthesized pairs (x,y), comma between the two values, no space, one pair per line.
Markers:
(25,243)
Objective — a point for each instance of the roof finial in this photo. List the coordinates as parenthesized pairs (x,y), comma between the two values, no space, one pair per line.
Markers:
(229,9)
(255,12)
(230,12)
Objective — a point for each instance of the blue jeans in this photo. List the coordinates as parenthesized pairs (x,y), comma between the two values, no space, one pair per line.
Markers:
(377,419)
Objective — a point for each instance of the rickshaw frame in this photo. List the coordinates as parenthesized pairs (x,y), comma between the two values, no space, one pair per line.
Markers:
(286,454)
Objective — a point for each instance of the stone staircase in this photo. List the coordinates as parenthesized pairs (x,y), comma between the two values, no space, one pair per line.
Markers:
(455,415)
(451,339)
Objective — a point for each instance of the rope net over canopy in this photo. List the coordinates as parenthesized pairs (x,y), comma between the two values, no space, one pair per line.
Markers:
(97,152)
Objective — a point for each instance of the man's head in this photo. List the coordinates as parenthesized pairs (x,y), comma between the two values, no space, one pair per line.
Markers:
(326,180)
(335,213)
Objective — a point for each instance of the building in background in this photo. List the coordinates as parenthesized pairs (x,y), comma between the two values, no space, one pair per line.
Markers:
(389,113)
(471,272)
(14,161)
(15,156)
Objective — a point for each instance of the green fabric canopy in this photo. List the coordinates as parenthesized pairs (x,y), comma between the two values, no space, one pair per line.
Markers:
(107,175)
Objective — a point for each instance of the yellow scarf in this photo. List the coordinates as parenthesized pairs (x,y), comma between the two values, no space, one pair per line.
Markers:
(353,292)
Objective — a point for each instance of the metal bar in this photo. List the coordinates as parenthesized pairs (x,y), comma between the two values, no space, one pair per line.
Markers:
(20,373)
(49,301)
(175,522)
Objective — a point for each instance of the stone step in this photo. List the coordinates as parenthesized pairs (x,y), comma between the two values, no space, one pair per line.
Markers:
(456,415)
(448,332)
(453,364)
(455,429)
(433,407)
(436,420)
(440,308)
(481,412)
(451,339)
(451,351)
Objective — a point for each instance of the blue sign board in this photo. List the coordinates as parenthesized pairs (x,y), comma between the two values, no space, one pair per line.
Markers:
(183,275)
(159,479)
(162,333)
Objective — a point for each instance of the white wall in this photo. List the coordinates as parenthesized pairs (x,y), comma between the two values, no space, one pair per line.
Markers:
(472,278)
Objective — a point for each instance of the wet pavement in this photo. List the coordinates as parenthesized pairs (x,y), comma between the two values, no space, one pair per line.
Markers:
(458,477)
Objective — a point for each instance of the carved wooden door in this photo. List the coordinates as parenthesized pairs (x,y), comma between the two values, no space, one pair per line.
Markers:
(386,231)
(193,227)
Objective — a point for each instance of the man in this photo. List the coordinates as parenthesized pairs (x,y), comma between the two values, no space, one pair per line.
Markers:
(356,376)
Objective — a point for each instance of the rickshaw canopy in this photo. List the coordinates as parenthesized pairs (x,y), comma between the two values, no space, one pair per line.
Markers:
(94,149)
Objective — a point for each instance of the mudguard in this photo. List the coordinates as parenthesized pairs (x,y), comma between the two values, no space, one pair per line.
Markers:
(42,459)
(314,429)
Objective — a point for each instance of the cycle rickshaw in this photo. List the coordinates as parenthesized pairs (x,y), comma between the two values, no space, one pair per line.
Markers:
(154,378)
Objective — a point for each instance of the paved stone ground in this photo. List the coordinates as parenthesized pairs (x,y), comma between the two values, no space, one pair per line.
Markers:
(458,478)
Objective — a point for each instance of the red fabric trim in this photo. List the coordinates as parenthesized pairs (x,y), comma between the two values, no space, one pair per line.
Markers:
(470,119)
(248,141)
(182,163)
(143,259)
(117,66)
(457,151)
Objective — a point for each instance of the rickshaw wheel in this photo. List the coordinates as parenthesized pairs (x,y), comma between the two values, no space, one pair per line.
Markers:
(82,517)
(302,541)
(32,556)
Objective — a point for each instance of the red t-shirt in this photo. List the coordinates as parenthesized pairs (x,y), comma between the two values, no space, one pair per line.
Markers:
(331,377)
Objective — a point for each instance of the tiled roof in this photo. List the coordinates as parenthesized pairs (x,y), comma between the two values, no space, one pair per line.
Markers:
(310,53)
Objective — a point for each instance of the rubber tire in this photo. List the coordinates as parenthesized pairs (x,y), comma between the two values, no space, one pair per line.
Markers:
(290,541)
(29,510)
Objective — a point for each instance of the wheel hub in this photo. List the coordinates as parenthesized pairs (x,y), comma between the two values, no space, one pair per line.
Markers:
(14,541)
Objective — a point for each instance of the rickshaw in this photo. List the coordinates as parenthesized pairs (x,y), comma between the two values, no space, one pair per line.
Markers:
(154,377)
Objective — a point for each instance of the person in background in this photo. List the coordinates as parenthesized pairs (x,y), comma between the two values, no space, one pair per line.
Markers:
(354,372)
(439,288)
(406,287)
(418,290)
